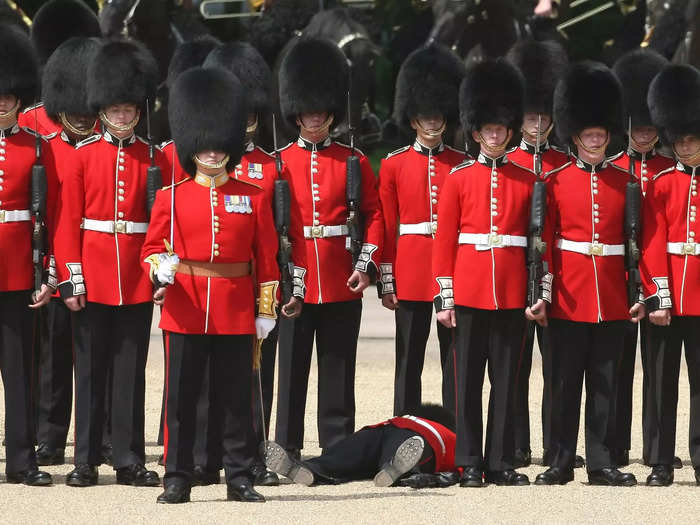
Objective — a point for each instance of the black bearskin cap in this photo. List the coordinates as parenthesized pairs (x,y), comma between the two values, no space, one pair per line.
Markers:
(244,61)
(122,71)
(542,65)
(57,21)
(19,67)
(313,77)
(635,71)
(589,95)
(674,102)
(436,413)
(428,84)
(207,110)
(189,54)
(64,81)
(492,92)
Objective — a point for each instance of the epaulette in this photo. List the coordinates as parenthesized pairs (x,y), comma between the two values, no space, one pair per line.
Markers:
(618,168)
(246,182)
(33,107)
(615,157)
(464,164)
(663,172)
(555,170)
(271,155)
(176,184)
(511,150)
(461,152)
(165,143)
(357,150)
(397,151)
(33,133)
(93,138)
(50,136)
(521,167)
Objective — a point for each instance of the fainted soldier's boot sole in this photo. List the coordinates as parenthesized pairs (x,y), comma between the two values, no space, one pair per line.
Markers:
(405,458)
(280,462)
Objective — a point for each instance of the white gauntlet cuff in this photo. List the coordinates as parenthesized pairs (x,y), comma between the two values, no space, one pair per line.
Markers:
(662,298)
(365,257)
(52,280)
(298,286)
(386,284)
(445,300)
(75,285)
(546,286)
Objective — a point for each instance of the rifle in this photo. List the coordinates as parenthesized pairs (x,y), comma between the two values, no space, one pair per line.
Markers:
(353,196)
(154,177)
(39,191)
(537,158)
(633,204)
(282,222)
(536,267)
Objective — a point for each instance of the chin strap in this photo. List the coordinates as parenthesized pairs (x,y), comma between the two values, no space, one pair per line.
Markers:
(689,160)
(120,127)
(644,147)
(212,166)
(494,151)
(432,133)
(532,139)
(76,131)
(592,151)
(322,128)
(9,118)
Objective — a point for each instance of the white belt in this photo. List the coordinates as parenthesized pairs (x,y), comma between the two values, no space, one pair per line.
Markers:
(127,227)
(486,241)
(15,216)
(421,228)
(591,248)
(683,248)
(320,231)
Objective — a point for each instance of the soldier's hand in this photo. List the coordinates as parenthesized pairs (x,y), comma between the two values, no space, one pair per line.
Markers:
(159,295)
(537,312)
(544,8)
(75,303)
(358,281)
(637,312)
(293,308)
(43,297)
(447,318)
(661,317)
(390,301)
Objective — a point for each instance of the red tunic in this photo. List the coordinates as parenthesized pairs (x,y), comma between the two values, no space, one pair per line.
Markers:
(586,204)
(646,165)
(671,280)
(17,156)
(35,118)
(106,182)
(318,175)
(211,226)
(552,158)
(410,182)
(487,197)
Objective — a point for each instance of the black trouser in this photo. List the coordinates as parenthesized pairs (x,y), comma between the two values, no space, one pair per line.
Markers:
(522,392)
(412,331)
(494,337)
(16,326)
(187,358)
(113,337)
(647,357)
(336,327)
(625,387)
(362,454)
(662,376)
(593,350)
(54,398)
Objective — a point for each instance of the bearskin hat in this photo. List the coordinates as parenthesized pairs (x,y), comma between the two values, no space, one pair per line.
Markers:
(492,92)
(19,67)
(674,102)
(589,95)
(542,64)
(64,80)
(207,111)
(244,61)
(635,71)
(436,413)
(58,20)
(313,77)
(121,71)
(190,54)
(428,84)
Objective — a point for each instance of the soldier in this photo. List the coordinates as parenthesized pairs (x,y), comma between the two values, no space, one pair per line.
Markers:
(313,87)
(636,70)
(670,269)
(542,64)
(211,244)
(410,180)
(479,266)
(588,311)
(101,227)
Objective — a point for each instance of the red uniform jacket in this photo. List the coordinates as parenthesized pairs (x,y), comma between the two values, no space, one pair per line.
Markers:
(318,175)
(490,198)
(646,165)
(106,183)
(671,280)
(552,158)
(440,438)
(17,156)
(410,182)
(586,204)
(35,118)
(230,223)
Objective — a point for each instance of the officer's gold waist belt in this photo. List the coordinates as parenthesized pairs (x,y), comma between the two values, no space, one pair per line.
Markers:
(209,269)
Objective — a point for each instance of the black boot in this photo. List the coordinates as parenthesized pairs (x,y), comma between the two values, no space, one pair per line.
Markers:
(504,478)
(279,461)
(406,457)
(611,477)
(661,476)
(472,477)
(137,476)
(177,490)
(32,478)
(263,477)
(82,476)
(243,491)
(555,476)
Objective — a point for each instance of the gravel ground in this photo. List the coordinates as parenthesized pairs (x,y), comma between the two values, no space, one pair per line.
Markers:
(361,502)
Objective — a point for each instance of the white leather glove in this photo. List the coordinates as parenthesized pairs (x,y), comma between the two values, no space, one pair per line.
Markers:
(263,326)
(167,266)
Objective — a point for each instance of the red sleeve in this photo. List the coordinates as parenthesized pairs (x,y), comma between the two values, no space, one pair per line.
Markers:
(446,237)
(372,214)
(265,242)
(390,210)
(158,228)
(653,264)
(296,226)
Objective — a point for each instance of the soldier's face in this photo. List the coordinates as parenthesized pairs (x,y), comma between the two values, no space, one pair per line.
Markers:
(213,158)
(530,123)
(7,103)
(121,114)
(593,138)
(313,120)
(493,135)
(687,146)
(82,122)
(644,134)
(428,123)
